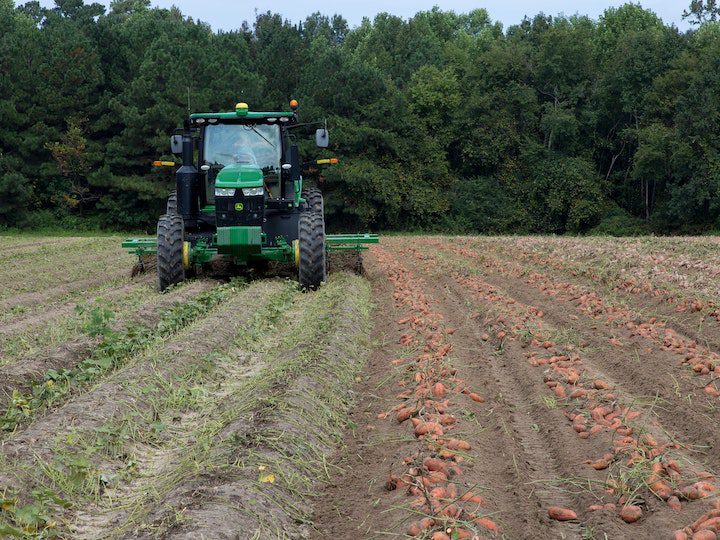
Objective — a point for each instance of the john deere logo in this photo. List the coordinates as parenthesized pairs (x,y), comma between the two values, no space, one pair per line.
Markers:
(239,206)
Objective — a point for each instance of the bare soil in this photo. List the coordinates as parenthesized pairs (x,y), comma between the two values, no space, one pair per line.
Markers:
(460,388)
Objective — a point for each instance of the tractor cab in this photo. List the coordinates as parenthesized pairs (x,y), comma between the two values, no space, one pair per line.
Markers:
(247,147)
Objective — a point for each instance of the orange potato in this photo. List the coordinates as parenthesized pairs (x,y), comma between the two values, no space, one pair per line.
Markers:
(561,514)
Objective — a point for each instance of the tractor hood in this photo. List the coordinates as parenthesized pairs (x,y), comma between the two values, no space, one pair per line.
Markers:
(239,175)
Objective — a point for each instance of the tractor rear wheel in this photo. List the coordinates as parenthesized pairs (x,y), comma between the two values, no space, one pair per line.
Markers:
(170,246)
(314,199)
(172,203)
(312,266)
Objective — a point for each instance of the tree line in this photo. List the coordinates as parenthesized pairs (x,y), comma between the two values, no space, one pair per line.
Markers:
(444,121)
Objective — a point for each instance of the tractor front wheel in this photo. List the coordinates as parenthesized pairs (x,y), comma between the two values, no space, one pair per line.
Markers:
(170,246)
(312,267)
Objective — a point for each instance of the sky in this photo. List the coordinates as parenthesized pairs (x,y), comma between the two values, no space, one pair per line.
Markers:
(229,15)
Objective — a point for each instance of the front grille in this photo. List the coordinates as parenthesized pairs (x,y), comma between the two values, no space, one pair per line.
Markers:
(229,213)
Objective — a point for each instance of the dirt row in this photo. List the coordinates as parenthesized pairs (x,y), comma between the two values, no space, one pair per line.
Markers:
(636,472)
(473,388)
(503,442)
(20,375)
(193,420)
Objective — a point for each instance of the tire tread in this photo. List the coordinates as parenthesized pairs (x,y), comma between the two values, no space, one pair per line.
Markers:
(312,270)
(170,238)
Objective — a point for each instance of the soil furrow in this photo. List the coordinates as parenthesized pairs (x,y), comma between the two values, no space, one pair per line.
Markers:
(52,246)
(55,268)
(73,454)
(512,461)
(656,517)
(22,374)
(53,312)
(53,293)
(616,316)
(109,399)
(697,320)
(534,447)
(651,374)
(274,405)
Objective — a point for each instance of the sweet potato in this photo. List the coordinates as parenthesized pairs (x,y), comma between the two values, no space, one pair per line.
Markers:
(469,497)
(438,493)
(488,523)
(704,534)
(456,444)
(709,515)
(561,514)
(414,529)
(712,524)
(446,419)
(439,390)
(476,397)
(434,464)
(661,489)
(630,513)
(451,511)
(403,414)
(425,428)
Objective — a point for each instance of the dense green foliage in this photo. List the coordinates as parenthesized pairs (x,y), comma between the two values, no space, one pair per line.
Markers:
(442,122)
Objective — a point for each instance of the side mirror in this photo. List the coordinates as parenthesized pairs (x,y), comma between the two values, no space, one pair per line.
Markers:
(176,145)
(322,138)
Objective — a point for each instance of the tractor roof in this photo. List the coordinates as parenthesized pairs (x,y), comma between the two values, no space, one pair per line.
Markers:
(242,112)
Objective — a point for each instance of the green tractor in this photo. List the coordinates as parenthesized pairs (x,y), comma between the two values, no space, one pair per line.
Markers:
(244,200)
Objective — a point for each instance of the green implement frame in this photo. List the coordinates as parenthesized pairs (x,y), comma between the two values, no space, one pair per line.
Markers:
(350,242)
(202,253)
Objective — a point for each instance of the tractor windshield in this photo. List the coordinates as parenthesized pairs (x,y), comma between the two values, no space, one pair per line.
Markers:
(254,144)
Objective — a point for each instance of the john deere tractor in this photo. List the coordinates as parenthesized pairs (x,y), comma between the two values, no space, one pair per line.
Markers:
(243,199)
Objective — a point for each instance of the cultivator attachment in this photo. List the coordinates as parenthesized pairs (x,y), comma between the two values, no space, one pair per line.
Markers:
(140,246)
(333,242)
(200,253)
(350,242)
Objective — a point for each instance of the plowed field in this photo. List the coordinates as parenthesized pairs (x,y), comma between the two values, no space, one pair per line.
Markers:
(499,387)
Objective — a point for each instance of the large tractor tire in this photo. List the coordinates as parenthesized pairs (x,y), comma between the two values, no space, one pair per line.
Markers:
(312,265)
(314,199)
(172,203)
(170,251)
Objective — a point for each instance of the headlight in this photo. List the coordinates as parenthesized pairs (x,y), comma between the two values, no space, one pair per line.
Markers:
(224,192)
(253,191)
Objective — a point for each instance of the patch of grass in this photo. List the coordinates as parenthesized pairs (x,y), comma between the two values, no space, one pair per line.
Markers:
(550,402)
(285,418)
(60,265)
(92,318)
(110,353)
(32,520)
